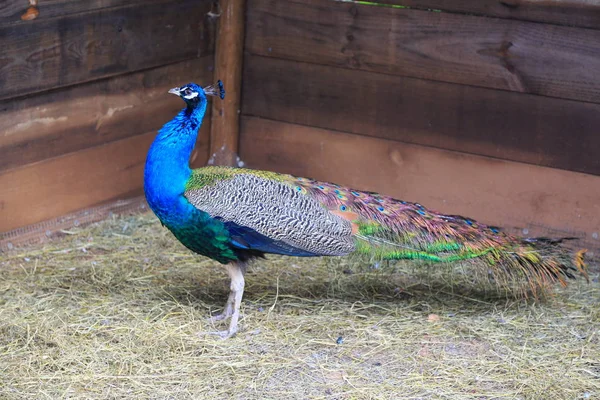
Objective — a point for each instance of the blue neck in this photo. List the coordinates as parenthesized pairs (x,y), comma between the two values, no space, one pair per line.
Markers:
(167,165)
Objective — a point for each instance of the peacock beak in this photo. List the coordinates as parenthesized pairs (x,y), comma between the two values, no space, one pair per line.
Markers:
(175,91)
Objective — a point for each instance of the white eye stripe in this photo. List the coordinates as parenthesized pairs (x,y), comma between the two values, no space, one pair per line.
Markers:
(191,95)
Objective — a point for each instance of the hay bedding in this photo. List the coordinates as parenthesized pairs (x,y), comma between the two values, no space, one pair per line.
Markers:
(113,311)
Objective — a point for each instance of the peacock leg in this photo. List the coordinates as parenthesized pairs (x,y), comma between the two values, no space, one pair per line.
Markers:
(237,288)
(227,310)
(232,307)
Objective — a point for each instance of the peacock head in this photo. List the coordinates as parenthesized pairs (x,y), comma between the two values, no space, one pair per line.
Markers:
(195,95)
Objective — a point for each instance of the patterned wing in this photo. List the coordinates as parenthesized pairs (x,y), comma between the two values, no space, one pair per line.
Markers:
(273,216)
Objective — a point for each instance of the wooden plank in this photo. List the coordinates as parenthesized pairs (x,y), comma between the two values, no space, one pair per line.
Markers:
(47,54)
(78,180)
(502,54)
(533,129)
(496,192)
(583,13)
(58,122)
(228,67)
(43,231)
(11,10)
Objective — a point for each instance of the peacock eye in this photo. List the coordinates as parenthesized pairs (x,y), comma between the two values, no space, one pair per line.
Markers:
(187,92)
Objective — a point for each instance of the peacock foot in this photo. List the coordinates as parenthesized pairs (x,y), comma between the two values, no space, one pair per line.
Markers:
(222,316)
(222,334)
(232,307)
(226,334)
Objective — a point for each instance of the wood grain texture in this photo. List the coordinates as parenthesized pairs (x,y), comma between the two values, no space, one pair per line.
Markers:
(526,128)
(583,13)
(53,53)
(58,122)
(495,53)
(11,10)
(496,192)
(61,185)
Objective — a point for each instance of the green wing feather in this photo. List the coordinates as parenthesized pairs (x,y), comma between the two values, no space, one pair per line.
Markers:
(206,176)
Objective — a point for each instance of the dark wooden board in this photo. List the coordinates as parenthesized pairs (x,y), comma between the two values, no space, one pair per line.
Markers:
(517,56)
(584,13)
(61,185)
(58,122)
(532,129)
(508,194)
(11,10)
(63,51)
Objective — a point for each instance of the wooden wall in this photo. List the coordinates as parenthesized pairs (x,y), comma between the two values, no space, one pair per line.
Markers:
(83,89)
(485,108)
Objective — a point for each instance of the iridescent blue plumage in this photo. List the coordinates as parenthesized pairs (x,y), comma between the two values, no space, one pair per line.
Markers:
(166,174)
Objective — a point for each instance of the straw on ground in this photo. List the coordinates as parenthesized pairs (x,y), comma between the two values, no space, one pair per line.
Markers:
(114,310)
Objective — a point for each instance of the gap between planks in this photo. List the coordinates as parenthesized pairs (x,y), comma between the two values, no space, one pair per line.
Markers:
(526,128)
(582,13)
(512,55)
(71,119)
(64,184)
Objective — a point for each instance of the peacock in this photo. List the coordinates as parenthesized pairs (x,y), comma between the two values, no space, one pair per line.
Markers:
(234,215)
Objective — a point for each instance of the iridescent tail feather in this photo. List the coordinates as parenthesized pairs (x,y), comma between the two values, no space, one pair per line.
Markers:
(525,265)
(390,229)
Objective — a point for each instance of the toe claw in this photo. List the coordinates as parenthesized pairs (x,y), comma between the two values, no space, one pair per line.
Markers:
(222,334)
(227,334)
(219,317)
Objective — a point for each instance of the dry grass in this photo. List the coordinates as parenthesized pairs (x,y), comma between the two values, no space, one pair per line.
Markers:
(113,311)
